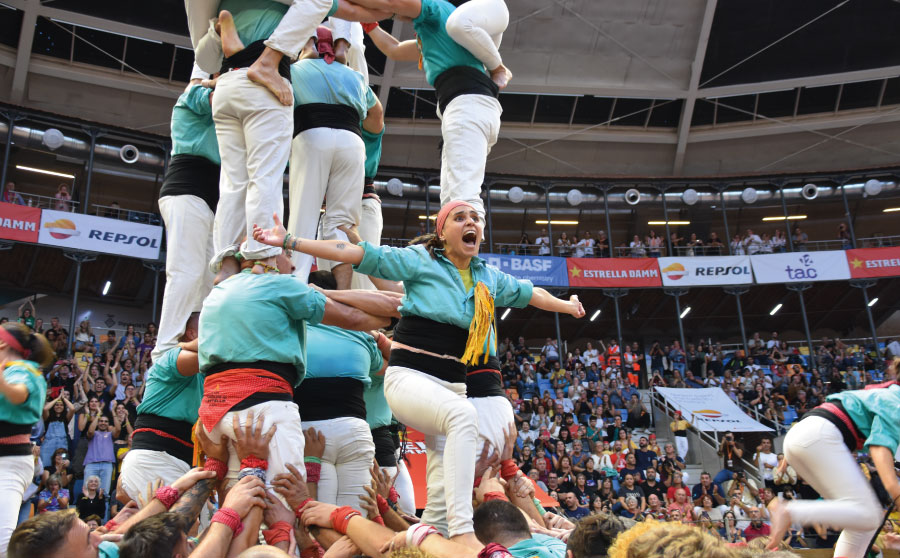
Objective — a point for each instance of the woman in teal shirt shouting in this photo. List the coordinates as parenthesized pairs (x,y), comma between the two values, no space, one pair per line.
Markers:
(22,394)
(446,323)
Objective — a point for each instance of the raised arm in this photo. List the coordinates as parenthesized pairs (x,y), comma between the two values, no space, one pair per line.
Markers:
(393,48)
(540,298)
(355,11)
(335,250)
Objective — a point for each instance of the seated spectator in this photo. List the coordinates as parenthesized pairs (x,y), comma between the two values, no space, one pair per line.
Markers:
(92,501)
(572,507)
(756,528)
(630,510)
(54,497)
(638,417)
(631,468)
(707,507)
(10,195)
(682,504)
(706,487)
(630,489)
(729,531)
(59,467)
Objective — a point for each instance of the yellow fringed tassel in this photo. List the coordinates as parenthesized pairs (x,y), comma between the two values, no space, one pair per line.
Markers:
(197,453)
(480,327)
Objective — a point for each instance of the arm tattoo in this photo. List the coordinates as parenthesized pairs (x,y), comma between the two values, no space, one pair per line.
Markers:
(340,246)
(191,502)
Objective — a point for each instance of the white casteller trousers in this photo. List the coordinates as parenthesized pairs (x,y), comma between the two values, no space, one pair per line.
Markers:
(369,228)
(16,473)
(404,485)
(142,467)
(326,163)
(478,26)
(286,446)
(189,247)
(349,454)
(470,126)
(815,449)
(494,414)
(352,32)
(254,133)
(439,409)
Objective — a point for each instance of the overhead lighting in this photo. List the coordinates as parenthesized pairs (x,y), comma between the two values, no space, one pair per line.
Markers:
(669,222)
(890,210)
(44,171)
(556,222)
(775,310)
(781,218)
(106,287)
(873,301)
(506,313)
(432,217)
(685,312)
(597,313)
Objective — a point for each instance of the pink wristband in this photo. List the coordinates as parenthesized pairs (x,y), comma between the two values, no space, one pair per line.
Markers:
(230,518)
(219,467)
(313,472)
(167,496)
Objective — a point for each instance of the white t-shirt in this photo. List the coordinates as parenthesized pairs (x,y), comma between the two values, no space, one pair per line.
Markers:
(767,459)
(590,356)
(543,243)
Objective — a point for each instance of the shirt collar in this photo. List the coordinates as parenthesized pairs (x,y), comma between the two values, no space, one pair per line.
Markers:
(476,261)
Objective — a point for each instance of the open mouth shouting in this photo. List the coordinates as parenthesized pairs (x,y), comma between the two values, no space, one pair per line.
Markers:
(470,238)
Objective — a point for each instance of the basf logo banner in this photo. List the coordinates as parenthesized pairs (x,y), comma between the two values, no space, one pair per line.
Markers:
(540,270)
(711,409)
(801,267)
(99,234)
(723,270)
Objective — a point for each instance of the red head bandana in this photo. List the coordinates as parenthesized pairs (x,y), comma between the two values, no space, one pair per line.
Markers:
(445,212)
(325,44)
(13,343)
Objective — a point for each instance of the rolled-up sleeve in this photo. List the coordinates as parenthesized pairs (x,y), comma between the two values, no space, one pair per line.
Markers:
(885,432)
(304,303)
(394,264)
(512,292)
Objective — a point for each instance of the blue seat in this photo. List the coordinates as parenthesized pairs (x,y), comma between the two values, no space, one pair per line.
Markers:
(790,416)
(545,385)
(624,413)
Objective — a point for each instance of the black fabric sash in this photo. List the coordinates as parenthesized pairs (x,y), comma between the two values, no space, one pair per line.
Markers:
(245,58)
(324,115)
(463,80)
(192,175)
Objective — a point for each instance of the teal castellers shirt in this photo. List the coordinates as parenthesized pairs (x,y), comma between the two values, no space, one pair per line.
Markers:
(193,131)
(434,288)
(256,20)
(169,394)
(439,51)
(333,352)
(316,81)
(876,412)
(247,318)
(29,374)
(539,546)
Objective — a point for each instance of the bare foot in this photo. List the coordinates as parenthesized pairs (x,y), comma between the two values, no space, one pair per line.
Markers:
(265,72)
(231,41)
(501,76)
(780,519)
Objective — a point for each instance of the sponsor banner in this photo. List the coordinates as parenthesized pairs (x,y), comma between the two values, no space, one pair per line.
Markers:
(613,272)
(19,222)
(99,234)
(540,270)
(874,262)
(706,270)
(801,267)
(710,409)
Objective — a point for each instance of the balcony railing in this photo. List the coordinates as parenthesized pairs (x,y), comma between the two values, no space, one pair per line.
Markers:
(115,212)
(48,202)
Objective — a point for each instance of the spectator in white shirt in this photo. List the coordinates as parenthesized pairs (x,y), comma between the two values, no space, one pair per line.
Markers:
(591,354)
(528,436)
(767,247)
(767,461)
(637,248)
(773,341)
(752,243)
(543,243)
(588,244)
(737,246)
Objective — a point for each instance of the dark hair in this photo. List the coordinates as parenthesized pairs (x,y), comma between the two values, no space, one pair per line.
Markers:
(155,536)
(42,536)
(94,517)
(39,348)
(497,519)
(593,535)
(430,241)
(323,279)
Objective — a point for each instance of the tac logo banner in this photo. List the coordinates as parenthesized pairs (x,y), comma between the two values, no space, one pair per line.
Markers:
(19,222)
(540,270)
(801,267)
(710,409)
(721,270)
(613,272)
(874,262)
(99,234)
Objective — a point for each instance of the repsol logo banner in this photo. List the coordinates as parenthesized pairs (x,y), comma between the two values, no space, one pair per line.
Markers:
(721,270)
(801,267)
(540,270)
(99,234)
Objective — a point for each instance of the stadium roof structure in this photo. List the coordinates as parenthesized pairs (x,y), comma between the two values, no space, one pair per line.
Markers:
(601,87)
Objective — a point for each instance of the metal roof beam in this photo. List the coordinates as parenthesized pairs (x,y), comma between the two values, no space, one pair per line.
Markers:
(808,81)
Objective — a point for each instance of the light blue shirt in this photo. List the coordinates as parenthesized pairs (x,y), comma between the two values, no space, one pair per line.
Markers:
(373,151)
(439,51)
(378,412)
(876,412)
(193,131)
(316,81)
(256,20)
(433,286)
(27,373)
(169,394)
(333,352)
(248,318)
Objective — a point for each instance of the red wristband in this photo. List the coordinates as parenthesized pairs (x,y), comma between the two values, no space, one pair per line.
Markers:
(494,550)
(167,496)
(313,472)
(299,511)
(111,525)
(488,496)
(312,551)
(382,504)
(253,462)
(219,467)
(341,517)
(393,496)
(379,520)
(508,469)
(477,482)
(230,518)
(369,27)
(279,531)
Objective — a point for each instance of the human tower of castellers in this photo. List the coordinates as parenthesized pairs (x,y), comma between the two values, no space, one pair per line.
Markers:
(278,393)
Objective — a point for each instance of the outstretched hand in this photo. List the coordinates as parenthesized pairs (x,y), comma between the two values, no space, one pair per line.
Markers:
(273,236)
(577,309)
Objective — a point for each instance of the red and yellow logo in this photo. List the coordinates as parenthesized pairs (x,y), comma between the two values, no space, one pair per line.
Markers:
(61,229)
(708,413)
(674,271)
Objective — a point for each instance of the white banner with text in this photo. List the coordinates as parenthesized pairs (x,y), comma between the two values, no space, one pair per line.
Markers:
(712,270)
(99,234)
(710,409)
(801,267)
